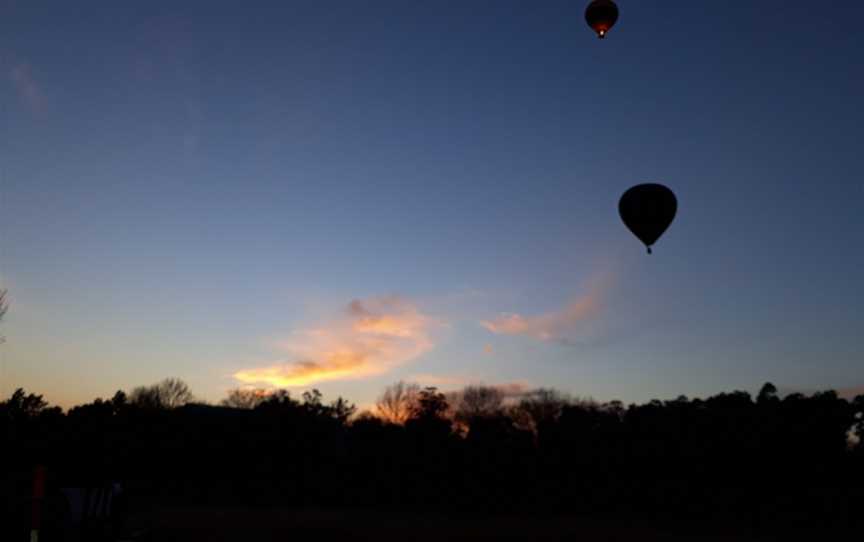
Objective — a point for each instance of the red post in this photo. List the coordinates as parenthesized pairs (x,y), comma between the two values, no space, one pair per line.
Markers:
(38,496)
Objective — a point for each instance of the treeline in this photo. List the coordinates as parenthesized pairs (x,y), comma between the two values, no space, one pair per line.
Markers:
(759,462)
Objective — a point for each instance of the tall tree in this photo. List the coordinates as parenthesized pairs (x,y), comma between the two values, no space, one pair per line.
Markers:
(244,399)
(477,402)
(540,407)
(430,405)
(397,402)
(170,393)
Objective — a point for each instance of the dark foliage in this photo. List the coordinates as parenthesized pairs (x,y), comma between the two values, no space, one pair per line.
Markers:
(766,463)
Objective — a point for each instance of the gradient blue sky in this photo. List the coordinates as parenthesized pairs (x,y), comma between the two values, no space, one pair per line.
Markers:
(189,186)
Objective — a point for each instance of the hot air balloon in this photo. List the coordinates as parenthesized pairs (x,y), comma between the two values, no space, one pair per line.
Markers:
(601,16)
(647,210)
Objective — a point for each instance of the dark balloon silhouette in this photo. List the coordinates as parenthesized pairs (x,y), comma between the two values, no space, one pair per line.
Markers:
(601,16)
(647,210)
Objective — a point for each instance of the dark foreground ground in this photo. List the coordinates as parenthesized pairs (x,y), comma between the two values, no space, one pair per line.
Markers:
(724,468)
(236,524)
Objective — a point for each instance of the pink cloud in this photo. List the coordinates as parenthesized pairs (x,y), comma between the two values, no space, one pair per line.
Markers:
(555,325)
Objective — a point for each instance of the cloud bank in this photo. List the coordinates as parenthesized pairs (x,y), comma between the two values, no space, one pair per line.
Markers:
(374,336)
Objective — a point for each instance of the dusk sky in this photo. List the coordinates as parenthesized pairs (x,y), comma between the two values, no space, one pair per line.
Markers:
(341,194)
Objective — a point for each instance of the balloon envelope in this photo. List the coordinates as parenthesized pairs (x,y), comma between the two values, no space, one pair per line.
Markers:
(601,15)
(647,210)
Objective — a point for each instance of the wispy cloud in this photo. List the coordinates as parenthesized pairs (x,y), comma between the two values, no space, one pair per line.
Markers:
(374,336)
(25,85)
(551,326)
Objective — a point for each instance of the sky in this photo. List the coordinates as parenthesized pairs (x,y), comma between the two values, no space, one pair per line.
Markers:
(341,195)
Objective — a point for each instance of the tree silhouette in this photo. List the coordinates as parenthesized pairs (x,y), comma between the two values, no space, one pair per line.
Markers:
(26,404)
(539,408)
(477,402)
(397,402)
(767,394)
(430,405)
(765,463)
(858,416)
(244,398)
(169,393)
(341,410)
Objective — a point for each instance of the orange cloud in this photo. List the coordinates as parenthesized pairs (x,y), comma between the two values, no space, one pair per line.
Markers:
(378,334)
(550,326)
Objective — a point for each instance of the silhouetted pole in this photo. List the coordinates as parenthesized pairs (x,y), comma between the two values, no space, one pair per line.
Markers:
(38,496)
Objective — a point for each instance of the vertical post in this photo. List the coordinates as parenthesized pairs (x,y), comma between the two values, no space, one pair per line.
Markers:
(38,496)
